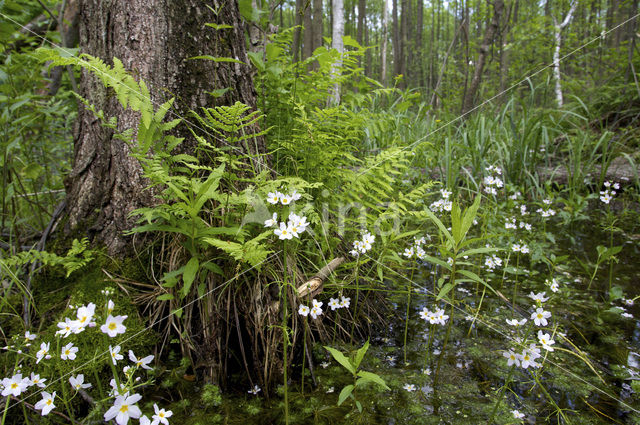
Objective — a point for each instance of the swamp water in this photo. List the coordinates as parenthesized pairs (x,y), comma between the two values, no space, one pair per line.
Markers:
(602,388)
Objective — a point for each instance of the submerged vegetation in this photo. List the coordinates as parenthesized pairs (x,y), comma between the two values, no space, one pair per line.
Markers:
(384,261)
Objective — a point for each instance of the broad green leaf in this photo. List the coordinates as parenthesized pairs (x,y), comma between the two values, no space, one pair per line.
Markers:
(190,271)
(342,359)
(475,251)
(360,354)
(476,278)
(346,392)
(440,225)
(445,290)
(370,376)
(164,297)
(469,216)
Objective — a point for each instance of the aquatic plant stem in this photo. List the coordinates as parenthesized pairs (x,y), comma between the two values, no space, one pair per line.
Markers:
(502,390)
(355,304)
(444,349)
(515,288)
(6,409)
(284,334)
(406,320)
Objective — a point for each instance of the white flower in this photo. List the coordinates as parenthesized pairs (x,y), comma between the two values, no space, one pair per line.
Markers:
(546,341)
(408,252)
(162,415)
(115,354)
(255,390)
(274,197)
(409,387)
(143,362)
(144,420)
(114,326)
(37,380)
(345,302)
(124,407)
(316,310)
(110,307)
(43,353)
(424,314)
(285,199)
(15,385)
(540,297)
(66,327)
(334,303)
(330,390)
(540,316)
(84,315)
(517,414)
(324,365)
(295,195)
(303,310)
(46,404)
(272,221)
(28,336)
(77,382)
(554,286)
(512,358)
(516,323)
(524,249)
(441,317)
(283,232)
(68,352)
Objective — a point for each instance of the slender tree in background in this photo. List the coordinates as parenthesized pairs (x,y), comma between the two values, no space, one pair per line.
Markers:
(337,43)
(317,25)
(307,39)
(397,53)
(557,36)
(297,33)
(483,51)
(385,37)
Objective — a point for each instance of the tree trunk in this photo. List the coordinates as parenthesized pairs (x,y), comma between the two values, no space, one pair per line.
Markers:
(297,33)
(317,24)
(385,37)
(337,43)
(397,54)
(307,43)
(556,51)
(419,54)
(154,39)
(490,32)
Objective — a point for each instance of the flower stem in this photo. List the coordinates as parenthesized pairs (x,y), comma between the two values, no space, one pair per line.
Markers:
(284,335)
(406,320)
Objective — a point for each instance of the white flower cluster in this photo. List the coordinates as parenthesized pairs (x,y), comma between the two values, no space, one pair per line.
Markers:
(277,197)
(552,284)
(492,262)
(493,182)
(530,354)
(336,304)
(546,211)
(523,248)
(315,311)
(364,245)
(416,249)
(442,204)
(436,317)
(607,195)
(295,224)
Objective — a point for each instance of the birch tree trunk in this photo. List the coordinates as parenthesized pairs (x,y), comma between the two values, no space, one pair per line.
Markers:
(556,51)
(337,43)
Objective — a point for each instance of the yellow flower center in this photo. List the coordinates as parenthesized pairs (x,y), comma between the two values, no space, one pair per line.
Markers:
(112,326)
(124,408)
(66,352)
(49,402)
(14,386)
(82,319)
(161,414)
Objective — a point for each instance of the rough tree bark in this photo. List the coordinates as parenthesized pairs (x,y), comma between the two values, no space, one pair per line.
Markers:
(483,50)
(154,39)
